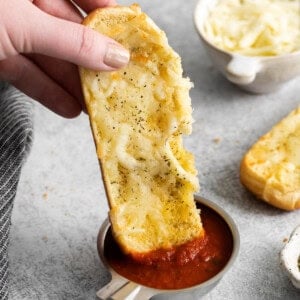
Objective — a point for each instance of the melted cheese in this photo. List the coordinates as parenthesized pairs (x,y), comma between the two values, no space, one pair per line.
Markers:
(138,116)
(255,27)
(271,167)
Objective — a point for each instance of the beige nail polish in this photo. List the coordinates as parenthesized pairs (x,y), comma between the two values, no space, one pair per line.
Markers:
(116,56)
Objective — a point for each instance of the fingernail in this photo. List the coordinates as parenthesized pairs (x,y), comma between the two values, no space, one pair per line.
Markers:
(116,56)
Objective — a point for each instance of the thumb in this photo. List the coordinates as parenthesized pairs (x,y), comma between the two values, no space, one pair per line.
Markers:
(75,43)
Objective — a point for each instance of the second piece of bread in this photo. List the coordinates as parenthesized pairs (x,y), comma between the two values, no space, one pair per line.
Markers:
(271,168)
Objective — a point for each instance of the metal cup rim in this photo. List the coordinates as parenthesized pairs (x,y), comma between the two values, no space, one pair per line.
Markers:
(236,246)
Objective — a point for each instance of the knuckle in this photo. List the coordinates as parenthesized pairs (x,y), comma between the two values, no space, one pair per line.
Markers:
(7,47)
(87,41)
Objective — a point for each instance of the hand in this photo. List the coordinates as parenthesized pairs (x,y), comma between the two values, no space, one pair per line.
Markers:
(41,44)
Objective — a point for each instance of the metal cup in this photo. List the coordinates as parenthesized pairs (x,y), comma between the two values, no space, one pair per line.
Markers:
(121,288)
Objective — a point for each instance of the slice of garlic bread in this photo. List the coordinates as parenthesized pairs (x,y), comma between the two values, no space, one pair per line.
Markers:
(138,116)
(271,168)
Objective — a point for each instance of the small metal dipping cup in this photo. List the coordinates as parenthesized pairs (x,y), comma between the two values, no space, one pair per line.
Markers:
(121,288)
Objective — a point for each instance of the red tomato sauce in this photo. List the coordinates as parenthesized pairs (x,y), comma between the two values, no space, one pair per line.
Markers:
(182,266)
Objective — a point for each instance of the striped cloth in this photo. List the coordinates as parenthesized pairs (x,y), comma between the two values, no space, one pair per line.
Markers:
(15,140)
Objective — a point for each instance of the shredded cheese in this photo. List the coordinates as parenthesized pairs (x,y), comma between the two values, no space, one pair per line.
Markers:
(255,27)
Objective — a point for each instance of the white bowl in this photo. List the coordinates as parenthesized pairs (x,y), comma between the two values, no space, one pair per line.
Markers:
(256,74)
(290,257)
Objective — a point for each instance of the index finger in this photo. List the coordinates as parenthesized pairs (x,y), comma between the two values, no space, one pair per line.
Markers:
(89,5)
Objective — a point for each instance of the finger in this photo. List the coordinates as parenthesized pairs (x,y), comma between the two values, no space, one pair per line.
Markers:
(89,5)
(62,72)
(75,43)
(60,8)
(28,78)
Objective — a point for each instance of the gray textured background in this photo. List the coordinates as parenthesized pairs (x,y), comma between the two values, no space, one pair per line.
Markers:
(60,203)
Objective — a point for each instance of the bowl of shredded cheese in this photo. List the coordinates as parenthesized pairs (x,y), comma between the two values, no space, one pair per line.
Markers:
(254,43)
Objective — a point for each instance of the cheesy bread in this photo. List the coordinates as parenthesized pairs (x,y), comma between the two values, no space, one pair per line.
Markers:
(138,116)
(271,168)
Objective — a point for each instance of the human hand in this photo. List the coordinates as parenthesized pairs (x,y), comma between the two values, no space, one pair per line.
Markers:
(41,44)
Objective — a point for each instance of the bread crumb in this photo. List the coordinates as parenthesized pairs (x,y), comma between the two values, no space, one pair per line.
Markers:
(45,238)
(45,196)
(285,240)
(217,140)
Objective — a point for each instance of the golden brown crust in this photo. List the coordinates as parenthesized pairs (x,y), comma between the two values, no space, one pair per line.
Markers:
(271,167)
(138,116)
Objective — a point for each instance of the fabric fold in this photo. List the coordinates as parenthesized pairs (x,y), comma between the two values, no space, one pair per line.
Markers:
(16,133)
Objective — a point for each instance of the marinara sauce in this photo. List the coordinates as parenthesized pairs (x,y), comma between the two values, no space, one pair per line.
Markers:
(179,267)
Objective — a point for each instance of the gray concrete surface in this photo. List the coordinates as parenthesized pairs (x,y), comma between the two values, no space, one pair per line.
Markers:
(61,204)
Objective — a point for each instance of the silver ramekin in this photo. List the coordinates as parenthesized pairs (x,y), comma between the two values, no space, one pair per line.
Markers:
(120,288)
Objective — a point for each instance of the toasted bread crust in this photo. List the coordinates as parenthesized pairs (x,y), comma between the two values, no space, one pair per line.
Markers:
(271,167)
(138,115)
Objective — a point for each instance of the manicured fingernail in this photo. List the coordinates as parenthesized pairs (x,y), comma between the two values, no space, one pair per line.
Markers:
(116,56)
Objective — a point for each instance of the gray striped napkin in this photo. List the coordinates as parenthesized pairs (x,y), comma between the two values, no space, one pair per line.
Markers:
(15,140)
